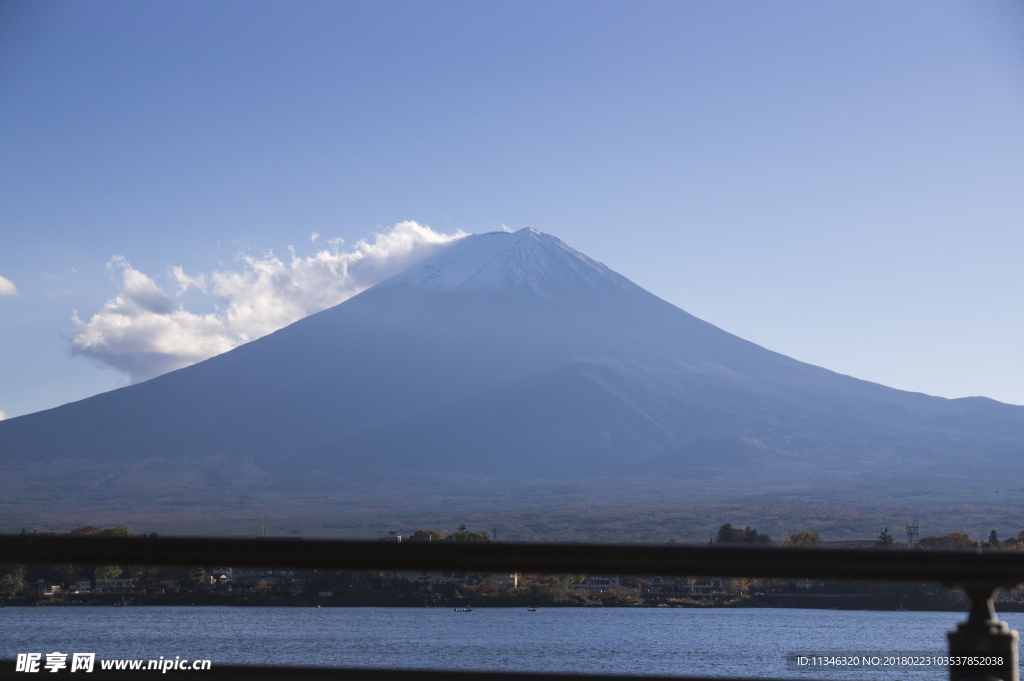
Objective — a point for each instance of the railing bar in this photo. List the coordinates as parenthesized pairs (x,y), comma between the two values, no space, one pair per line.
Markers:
(949,567)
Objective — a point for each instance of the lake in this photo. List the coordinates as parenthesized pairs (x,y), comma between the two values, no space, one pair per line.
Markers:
(726,642)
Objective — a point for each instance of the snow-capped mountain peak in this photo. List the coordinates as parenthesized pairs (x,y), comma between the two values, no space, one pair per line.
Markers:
(526,259)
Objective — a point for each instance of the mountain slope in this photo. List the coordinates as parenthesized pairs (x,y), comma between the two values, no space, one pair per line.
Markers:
(512,355)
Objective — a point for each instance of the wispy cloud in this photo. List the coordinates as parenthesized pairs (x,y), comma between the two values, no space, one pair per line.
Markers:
(2,415)
(7,287)
(144,332)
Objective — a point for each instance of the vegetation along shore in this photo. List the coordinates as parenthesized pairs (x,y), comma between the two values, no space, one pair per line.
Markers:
(88,585)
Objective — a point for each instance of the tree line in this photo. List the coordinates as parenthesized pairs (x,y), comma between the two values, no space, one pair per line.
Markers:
(727,534)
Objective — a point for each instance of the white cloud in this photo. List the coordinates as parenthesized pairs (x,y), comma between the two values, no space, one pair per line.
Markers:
(2,415)
(7,287)
(313,237)
(144,332)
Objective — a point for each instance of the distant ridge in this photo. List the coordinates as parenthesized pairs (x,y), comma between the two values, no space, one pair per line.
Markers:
(513,356)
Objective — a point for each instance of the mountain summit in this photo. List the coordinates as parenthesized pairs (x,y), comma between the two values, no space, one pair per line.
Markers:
(526,260)
(511,355)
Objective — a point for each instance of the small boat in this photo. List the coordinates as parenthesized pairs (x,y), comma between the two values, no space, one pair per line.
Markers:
(533,609)
(469,609)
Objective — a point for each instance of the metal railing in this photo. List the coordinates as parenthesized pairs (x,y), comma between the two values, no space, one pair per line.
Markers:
(979,573)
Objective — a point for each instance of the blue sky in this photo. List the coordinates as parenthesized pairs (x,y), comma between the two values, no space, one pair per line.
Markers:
(839,182)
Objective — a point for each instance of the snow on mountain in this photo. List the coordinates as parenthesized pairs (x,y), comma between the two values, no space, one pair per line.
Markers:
(526,259)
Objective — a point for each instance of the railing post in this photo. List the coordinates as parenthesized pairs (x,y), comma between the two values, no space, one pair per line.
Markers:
(982,635)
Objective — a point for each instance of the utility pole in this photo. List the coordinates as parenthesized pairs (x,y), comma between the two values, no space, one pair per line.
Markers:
(913,532)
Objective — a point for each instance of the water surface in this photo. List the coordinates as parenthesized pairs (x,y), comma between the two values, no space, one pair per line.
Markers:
(726,642)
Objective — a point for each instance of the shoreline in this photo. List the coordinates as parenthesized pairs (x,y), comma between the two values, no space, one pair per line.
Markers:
(773,602)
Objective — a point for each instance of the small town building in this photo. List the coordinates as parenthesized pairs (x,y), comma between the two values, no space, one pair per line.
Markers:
(597,583)
(502,579)
(42,588)
(221,580)
(221,575)
(698,586)
(687,586)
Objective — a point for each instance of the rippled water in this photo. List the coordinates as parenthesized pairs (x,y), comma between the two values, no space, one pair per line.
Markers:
(727,642)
